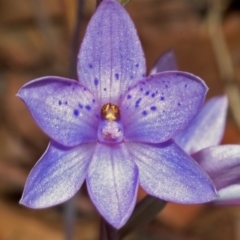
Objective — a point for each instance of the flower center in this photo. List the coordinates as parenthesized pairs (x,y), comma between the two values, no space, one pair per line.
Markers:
(110,128)
(110,112)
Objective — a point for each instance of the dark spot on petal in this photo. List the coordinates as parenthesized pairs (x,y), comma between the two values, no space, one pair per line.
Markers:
(129,96)
(80,105)
(66,103)
(88,107)
(143,75)
(164,111)
(185,85)
(97,116)
(117,76)
(162,98)
(138,102)
(84,89)
(141,89)
(93,100)
(105,89)
(179,104)
(144,113)
(166,86)
(147,92)
(96,81)
(137,65)
(153,95)
(59,102)
(131,77)
(153,108)
(90,65)
(76,112)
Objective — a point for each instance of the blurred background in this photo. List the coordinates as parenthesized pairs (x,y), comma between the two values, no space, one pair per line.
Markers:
(39,37)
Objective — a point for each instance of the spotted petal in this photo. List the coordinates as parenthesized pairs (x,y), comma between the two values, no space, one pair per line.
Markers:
(112,183)
(62,108)
(111,58)
(222,164)
(161,106)
(166,62)
(57,176)
(167,172)
(207,128)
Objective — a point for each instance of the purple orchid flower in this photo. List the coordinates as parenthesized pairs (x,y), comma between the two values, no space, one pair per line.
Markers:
(114,127)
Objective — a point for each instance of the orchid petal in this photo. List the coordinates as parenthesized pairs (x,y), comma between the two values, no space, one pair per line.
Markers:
(207,128)
(229,195)
(167,172)
(57,176)
(222,164)
(166,62)
(158,108)
(62,108)
(111,57)
(112,183)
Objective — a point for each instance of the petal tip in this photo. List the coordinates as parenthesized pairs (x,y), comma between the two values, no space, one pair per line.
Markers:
(19,93)
(23,201)
(36,203)
(224,100)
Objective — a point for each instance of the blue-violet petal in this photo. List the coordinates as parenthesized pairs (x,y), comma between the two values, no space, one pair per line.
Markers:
(207,128)
(167,172)
(111,57)
(166,62)
(229,195)
(222,164)
(161,106)
(57,176)
(64,109)
(112,183)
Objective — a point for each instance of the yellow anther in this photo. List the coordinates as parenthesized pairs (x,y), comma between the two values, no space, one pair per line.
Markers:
(110,112)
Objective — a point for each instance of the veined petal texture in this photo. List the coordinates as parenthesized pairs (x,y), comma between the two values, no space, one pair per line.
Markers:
(222,164)
(111,57)
(167,172)
(166,62)
(57,176)
(207,128)
(161,106)
(64,109)
(112,183)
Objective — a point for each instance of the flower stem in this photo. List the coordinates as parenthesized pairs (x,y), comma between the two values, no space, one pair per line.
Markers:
(145,211)
(69,218)
(75,40)
(107,232)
